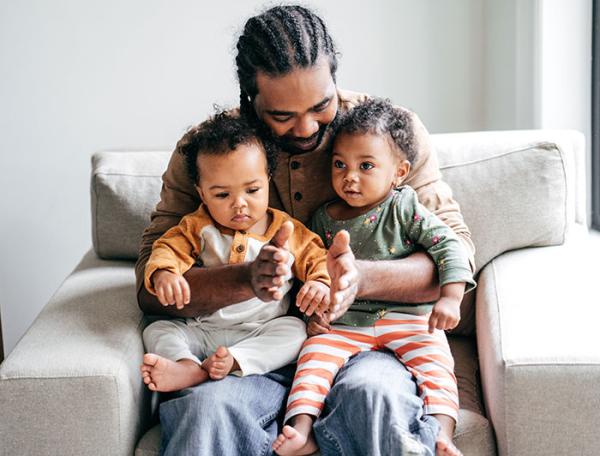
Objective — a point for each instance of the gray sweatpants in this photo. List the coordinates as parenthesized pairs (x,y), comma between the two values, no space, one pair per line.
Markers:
(263,349)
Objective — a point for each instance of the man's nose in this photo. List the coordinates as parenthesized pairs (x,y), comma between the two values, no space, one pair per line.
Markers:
(305,127)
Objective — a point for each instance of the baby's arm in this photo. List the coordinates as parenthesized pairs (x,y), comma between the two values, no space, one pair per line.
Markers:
(310,266)
(446,311)
(171,288)
(313,297)
(172,255)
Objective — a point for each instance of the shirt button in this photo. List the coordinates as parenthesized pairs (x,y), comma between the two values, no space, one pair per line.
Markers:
(297,196)
(295,165)
(240,248)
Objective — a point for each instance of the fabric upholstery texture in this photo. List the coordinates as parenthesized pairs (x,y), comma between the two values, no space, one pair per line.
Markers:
(537,314)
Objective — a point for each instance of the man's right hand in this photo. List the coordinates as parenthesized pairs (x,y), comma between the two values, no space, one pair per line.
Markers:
(268,272)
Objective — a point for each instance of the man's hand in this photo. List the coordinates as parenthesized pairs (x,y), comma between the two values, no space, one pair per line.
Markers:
(269,270)
(313,297)
(344,274)
(445,314)
(318,324)
(171,288)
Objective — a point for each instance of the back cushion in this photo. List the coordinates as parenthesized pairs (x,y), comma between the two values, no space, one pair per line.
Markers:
(510,199)
(125,189)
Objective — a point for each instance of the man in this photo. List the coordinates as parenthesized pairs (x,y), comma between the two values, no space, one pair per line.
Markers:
(286,65)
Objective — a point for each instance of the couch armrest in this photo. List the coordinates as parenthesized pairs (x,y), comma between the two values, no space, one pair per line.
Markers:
(72,384)
(537,319)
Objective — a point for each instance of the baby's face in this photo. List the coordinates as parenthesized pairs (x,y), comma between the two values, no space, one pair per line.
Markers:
(235,187)
(364,169)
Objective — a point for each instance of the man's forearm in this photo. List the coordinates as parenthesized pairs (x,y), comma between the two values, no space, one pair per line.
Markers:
(411,280)
(211,289)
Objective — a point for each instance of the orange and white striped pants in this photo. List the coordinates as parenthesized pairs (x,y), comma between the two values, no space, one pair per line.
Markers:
(427,356)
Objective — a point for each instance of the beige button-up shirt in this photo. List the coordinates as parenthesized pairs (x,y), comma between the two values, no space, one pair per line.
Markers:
(301,183)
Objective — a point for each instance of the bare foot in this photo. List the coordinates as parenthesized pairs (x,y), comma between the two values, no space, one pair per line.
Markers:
(220,364)
(291,442)
(445,447)
(162,374)
(443,444)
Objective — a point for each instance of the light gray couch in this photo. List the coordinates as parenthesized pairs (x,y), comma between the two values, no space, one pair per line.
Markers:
(529,375)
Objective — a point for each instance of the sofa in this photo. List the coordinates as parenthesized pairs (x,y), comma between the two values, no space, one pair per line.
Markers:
(526,350)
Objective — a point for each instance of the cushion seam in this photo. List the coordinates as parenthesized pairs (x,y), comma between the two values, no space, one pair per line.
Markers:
(500,155)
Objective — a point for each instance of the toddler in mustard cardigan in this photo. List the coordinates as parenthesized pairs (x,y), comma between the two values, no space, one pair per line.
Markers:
(231,167)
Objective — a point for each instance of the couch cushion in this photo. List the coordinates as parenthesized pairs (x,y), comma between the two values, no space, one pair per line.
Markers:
(511,197)
(125,188)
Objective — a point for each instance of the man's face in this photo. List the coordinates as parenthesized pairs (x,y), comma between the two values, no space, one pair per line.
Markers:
(235,187)
(299,106)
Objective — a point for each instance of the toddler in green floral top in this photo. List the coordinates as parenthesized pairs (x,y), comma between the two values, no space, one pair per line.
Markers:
(372,155)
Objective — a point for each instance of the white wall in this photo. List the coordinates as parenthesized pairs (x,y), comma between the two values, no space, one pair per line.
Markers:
(77,77)
(565,70)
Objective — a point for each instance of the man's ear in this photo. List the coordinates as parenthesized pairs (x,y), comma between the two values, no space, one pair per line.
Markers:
(402,171)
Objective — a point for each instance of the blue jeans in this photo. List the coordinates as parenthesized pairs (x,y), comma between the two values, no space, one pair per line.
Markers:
(372,409)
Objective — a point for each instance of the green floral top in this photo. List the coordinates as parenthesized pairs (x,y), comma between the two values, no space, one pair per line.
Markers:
(395,229)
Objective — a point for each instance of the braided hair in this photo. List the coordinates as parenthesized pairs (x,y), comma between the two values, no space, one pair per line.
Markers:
(276,42)
(380,117)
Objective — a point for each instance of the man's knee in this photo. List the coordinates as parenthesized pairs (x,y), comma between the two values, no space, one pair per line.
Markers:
(375,381)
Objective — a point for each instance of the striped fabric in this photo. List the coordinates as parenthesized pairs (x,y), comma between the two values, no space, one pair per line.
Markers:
(427,356)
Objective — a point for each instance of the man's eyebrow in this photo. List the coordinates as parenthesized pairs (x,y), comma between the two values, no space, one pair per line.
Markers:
(275,112)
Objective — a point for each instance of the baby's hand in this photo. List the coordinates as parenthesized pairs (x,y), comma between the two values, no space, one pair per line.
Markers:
(313,297)
(171,288)
(445,314)
(318,324)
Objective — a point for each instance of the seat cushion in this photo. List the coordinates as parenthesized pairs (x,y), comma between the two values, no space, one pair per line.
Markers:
(474,435)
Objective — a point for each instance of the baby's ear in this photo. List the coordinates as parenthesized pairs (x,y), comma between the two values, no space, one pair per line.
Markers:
(402,171)
(199,190)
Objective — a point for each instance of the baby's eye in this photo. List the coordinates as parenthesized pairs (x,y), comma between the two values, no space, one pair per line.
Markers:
(366,166)
(253,189)
(222,195)
(339,164)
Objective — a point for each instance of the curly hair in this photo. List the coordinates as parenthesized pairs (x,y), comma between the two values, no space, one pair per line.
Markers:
(277,41)
(220,135)
(379,116)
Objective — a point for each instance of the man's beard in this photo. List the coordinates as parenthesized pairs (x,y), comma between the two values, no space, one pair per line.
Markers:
(287,144)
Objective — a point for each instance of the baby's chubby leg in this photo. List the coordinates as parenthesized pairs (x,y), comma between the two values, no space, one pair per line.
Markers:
(162,374)
(274,344)
(169,364)
(220,364)
(296,438)
(444,445)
